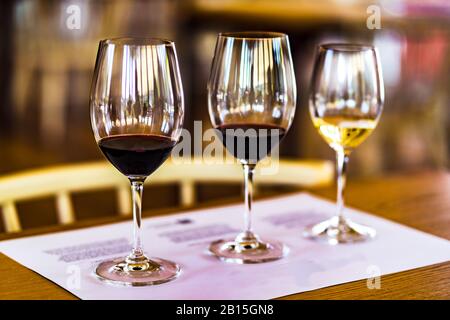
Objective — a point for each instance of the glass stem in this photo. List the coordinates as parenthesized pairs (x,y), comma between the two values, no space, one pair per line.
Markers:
(341,161)
(137,254)
(248,192)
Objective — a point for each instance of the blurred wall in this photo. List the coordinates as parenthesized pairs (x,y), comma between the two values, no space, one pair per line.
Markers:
(46,70)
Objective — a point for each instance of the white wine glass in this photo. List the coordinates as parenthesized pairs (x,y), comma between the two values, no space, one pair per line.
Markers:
(345,104)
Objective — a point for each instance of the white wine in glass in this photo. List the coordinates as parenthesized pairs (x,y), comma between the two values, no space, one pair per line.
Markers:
(346,102)
(344,132)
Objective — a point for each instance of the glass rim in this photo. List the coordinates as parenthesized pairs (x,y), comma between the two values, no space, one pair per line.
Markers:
(138,41)
(346,47)
(253,35)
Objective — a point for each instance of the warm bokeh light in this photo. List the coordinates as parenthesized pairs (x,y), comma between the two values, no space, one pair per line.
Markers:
(47,69)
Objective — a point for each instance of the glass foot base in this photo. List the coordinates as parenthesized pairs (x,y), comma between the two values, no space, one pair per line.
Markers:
(248,249)
(338,230)
(150,272)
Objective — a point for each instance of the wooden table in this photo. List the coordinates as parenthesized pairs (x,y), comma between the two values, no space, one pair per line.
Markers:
(421,201)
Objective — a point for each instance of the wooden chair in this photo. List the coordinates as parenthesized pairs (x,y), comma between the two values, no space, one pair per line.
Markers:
(61,181)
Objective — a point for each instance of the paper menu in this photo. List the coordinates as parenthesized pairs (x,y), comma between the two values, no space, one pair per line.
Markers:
(69,258)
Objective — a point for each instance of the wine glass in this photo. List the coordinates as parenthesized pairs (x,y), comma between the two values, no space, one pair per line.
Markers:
(137,112)
(345,105)
(251,97)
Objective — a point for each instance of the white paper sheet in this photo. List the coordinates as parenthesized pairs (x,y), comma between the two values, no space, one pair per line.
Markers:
(69,258)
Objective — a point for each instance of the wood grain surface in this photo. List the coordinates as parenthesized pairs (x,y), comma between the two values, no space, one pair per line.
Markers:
(421,201)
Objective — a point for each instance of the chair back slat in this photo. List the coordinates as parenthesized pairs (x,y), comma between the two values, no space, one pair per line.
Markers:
(187,190)
(10,217)
(124,200)
(64,208)
(62,181)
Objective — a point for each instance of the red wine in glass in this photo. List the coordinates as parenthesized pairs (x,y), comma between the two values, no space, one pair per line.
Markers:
(136,155)
(250,142)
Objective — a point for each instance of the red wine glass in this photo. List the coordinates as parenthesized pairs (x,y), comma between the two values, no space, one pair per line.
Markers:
(251,97)
(137,112)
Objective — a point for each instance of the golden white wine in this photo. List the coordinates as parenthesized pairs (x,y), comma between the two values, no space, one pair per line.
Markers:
(344,132)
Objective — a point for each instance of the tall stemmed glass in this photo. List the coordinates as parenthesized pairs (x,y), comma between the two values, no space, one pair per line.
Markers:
(345,105)
(251,97)
(137,112)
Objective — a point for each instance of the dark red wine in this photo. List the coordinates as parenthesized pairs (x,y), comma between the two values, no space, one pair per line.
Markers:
(136,155)
(250,142)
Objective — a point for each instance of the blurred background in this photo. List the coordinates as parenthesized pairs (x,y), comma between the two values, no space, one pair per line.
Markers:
(46,70)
